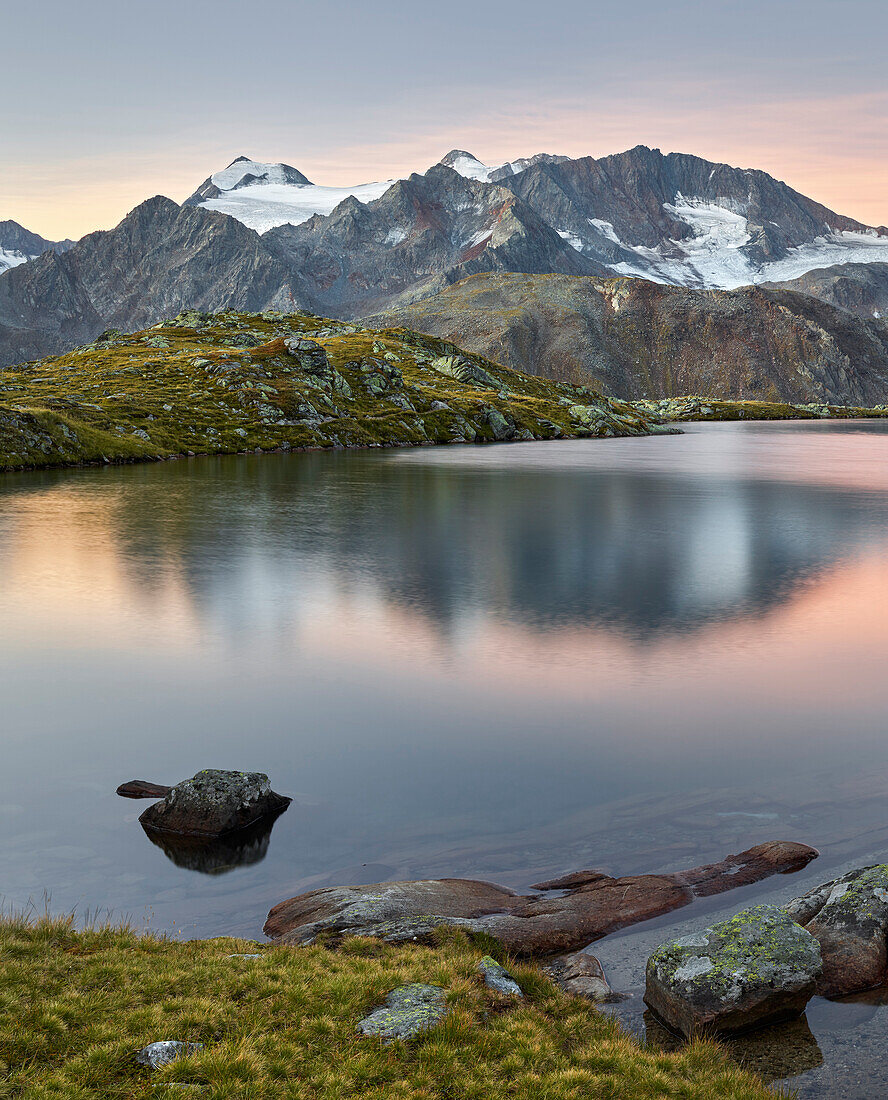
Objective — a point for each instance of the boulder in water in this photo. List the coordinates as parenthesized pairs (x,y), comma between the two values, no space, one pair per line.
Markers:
(213,803)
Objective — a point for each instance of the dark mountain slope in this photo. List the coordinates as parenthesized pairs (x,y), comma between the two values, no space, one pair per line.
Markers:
(640,339)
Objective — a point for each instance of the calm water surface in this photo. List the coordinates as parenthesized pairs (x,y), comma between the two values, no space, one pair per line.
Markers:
(504,662)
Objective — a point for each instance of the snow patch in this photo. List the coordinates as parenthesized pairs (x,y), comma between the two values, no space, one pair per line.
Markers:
(10,259)
(395,236)
(572,239)
(606,229)
(472,169)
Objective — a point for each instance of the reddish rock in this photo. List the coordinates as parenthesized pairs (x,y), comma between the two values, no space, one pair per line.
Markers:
(141,788)
(568,882)
(774,857)
(581,975)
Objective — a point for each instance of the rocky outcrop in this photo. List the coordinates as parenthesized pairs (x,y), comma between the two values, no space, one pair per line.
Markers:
(849,918)
(756,968)
(643,340)
(524,925)
(214,803)
(408,1011)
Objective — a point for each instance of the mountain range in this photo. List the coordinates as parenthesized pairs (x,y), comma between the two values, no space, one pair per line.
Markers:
(259,235)
(18,245)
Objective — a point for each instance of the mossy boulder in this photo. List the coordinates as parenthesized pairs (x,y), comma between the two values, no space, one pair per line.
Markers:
(849,918)
(756,968)
(213,803)
(408,1011)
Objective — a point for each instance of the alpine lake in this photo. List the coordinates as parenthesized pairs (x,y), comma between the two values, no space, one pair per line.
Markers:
(501,662)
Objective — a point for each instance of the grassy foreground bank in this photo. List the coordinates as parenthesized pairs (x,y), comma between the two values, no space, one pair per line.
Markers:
(75,1006)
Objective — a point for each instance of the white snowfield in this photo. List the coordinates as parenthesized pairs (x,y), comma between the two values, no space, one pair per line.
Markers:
(712,256)
(272,201)
(12,259)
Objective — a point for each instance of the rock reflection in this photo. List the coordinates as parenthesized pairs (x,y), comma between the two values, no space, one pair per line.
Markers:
(774,1053)
(243,848)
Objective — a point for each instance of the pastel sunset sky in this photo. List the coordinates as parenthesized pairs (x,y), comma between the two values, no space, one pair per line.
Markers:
(105,103)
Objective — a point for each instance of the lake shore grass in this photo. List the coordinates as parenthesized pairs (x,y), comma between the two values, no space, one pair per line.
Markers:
(75,1006)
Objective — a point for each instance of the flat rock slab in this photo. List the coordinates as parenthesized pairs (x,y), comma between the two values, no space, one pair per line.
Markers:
(497,978)
(213,803)
(408,1011)
(165,1051)
(757,968)
(526,926)
(406,910)
(849,918)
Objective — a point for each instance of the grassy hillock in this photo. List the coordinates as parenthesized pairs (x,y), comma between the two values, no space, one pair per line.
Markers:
(227,382)
(76,1006)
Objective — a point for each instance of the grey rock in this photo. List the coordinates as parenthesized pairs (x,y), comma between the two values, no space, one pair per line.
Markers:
(496,977)
(213,803)
(408,1011)
(165,1051)
(581,975)
(463,370)
(849,918)
(756,968)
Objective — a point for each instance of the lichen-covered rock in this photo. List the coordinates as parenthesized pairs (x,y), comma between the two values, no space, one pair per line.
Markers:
(757,968)
(496,977)
(165,1051)
(213,803)
(408,1011)
(502,427)
(849,918)
(312,358)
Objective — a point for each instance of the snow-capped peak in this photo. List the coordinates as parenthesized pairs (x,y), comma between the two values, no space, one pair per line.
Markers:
(469,166)
(244,172)
(263,196)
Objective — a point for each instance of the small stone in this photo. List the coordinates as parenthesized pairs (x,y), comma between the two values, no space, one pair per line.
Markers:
(165,1051)
(498,978)
(408,1011)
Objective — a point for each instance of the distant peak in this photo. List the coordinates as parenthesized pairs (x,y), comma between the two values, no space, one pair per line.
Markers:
(244,172)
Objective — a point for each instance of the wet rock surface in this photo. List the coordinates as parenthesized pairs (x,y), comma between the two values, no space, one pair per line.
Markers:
(528,925)
(408,1011)
(213,803)
(142,788)
(849,918)
(756,968)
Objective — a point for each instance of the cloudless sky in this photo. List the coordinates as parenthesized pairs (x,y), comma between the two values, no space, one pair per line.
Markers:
(105,102)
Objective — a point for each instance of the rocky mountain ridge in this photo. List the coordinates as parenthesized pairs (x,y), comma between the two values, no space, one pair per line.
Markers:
(644,340)
(18,245)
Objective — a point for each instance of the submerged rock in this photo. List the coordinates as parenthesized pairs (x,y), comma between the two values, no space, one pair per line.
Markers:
(408,1011)
(496,977)
(213,803)
(165,1051)
(756,968)
(849,918)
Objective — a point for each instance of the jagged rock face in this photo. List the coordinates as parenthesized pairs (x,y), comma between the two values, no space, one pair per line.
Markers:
(860,288)
(21,242)
(642,199)
(640,339)
(425,232)
(160,259)
(756,968)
